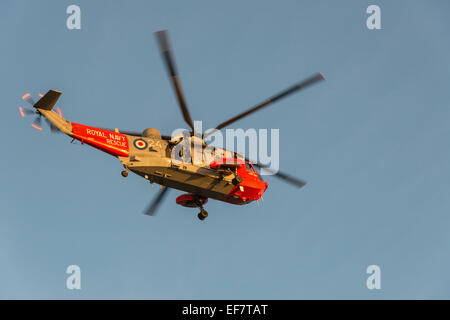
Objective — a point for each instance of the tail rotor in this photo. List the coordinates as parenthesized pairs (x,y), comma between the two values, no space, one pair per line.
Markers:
(37,122)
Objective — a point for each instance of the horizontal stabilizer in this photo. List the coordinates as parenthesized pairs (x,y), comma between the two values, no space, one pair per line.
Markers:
(48,101)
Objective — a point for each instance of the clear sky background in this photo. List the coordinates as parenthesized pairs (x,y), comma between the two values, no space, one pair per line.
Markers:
(372,141)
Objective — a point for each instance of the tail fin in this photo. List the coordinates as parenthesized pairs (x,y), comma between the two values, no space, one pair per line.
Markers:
(48,101)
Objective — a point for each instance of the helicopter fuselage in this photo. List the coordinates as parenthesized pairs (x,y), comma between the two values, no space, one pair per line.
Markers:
(151,158)
(154,157)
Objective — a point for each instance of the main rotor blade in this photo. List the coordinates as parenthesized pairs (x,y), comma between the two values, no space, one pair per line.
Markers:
(151,209)
(287,178)
(164,46)
(301,85)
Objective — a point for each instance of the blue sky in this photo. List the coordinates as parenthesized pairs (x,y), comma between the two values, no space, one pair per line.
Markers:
(372,141)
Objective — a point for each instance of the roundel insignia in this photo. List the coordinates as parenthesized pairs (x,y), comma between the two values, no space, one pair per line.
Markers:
(140,144)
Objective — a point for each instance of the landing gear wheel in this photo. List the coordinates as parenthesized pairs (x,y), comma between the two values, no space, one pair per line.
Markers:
(124,173)
(203,214)
(200,217)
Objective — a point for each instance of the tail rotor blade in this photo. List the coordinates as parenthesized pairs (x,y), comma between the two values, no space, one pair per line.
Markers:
(59,112)
(153,206)
(27,97)
(37,124)
(25,111)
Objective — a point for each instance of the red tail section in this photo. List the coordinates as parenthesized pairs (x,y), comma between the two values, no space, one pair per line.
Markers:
(110,142)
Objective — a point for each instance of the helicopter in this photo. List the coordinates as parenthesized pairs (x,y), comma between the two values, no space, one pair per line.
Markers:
(229,177)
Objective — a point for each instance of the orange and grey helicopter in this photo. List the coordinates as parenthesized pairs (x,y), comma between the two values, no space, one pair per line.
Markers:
(229,177)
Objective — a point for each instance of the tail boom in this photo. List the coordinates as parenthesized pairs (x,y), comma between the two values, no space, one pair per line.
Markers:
(111,142)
